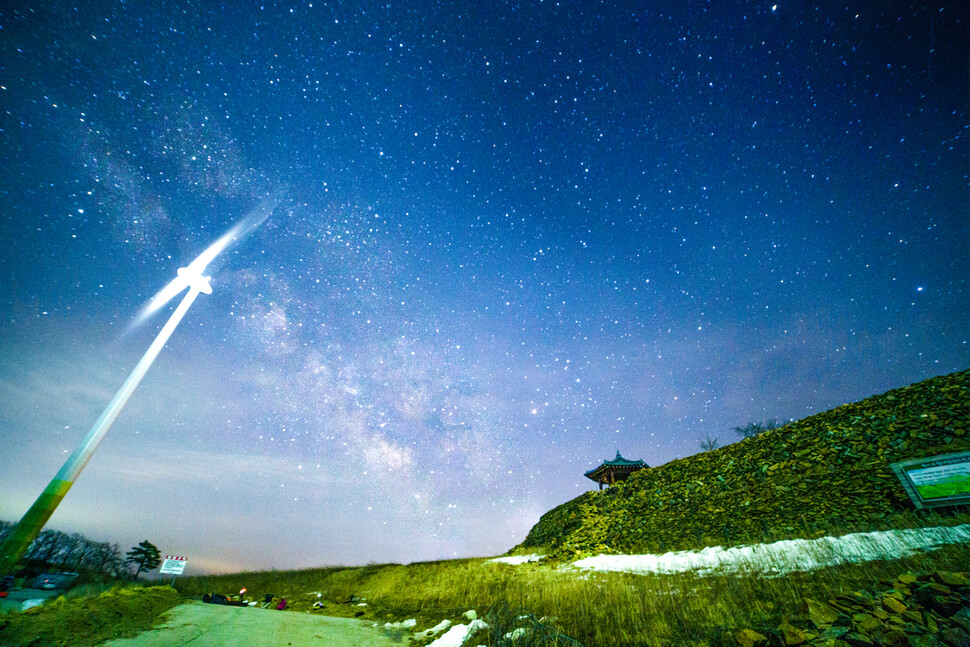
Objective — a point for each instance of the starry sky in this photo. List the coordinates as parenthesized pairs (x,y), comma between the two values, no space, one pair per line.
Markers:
(509,240)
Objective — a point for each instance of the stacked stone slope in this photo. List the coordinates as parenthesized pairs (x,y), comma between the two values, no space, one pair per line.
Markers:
(931,610)
(826,474)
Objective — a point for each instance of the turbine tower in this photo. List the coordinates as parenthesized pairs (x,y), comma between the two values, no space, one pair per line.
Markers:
(17,542)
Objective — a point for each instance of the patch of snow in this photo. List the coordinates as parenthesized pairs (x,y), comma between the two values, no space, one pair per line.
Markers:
(786,556)
(515,560)
(456,636)
(31,603)
(470,615)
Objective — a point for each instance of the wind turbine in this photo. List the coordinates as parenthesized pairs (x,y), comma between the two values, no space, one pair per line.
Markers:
(191,276)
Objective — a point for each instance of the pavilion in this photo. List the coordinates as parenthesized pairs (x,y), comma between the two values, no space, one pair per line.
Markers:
(618,469)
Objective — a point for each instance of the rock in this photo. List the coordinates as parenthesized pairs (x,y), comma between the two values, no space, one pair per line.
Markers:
(821,614)
(857,639)
(962,618)
(893,605)
(955,637)
(938,598)
(934,588)
(515,634)
(842,621)
(949,578)
(433,631)
(893,637)
(792,635)
(868,624)
(750,638)
(945,606)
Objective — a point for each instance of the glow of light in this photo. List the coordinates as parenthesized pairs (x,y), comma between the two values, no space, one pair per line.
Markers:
(193,273)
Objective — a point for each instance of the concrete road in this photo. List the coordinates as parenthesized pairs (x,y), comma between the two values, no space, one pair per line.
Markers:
(213,625)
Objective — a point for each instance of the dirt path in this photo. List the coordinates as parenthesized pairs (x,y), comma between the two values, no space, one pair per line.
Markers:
(212,625)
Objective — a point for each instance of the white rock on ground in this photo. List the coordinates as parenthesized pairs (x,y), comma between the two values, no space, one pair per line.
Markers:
(456,636)
(410,623)
(515,634)
(437,629)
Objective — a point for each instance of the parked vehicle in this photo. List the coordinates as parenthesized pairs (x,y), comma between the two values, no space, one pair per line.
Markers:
(51,581)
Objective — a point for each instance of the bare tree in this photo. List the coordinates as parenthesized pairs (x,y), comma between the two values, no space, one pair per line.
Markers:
(753,429)
(708,443)
(48,546)
(77,551)
(104,557)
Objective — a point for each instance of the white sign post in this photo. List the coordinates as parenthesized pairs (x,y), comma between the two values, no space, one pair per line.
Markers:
(173,565)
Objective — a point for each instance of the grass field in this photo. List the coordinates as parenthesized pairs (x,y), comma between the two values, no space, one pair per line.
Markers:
(596,609)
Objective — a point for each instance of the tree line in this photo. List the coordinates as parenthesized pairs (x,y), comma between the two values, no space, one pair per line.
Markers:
(72,552)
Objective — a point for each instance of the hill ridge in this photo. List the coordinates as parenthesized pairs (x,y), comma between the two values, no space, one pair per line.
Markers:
(828,473)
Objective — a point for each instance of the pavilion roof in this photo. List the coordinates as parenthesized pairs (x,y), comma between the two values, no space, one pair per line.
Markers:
(618,464)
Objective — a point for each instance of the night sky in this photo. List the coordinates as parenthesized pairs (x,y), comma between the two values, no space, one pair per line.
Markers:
(512,239)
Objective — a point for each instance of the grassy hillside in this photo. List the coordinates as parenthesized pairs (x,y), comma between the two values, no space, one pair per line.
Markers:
(825,474)
(81,620)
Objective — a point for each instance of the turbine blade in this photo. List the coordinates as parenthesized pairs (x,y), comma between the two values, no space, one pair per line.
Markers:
(194,270)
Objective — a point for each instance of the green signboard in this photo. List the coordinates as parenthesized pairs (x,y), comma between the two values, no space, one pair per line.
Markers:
(936,481)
